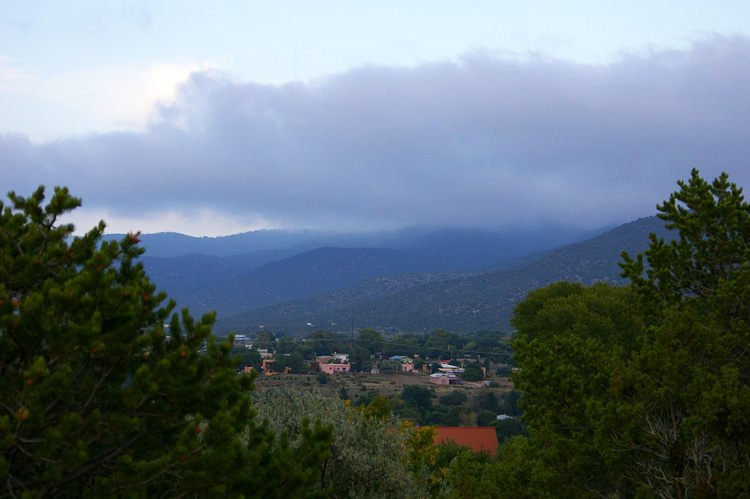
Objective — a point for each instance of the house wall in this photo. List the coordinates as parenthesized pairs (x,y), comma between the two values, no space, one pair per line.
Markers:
(335,368)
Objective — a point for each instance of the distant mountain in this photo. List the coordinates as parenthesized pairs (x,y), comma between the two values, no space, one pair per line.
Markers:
(298,276)
(464,303)
(218,273)
(413,279)
(171,244)
(320,308)
(452,248)
(473,249)
(181,274)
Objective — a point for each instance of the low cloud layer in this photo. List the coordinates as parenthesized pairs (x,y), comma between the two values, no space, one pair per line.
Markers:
(482,142)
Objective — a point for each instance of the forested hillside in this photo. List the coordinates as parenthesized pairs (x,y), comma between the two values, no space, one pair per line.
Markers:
(460,302)
(299,276)
(277,266)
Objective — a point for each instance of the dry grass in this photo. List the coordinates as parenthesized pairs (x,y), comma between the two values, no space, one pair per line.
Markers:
(356,384)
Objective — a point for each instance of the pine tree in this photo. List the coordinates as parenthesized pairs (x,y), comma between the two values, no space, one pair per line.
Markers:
(104,391)
(645,390)
(690,382)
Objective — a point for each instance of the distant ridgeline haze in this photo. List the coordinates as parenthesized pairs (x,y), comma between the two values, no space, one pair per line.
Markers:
(414,279)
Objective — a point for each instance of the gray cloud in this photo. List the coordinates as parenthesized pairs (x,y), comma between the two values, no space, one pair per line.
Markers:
(482,141)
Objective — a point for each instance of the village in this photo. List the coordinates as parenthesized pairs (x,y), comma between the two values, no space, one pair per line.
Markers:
(469,399)
(442,373)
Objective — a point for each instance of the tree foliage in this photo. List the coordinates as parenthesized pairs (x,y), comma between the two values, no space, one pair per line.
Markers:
(454,397)
(373,456)
(265,340)
(104,391)
(567,346)
(689,385)
(371,339)
(473,372)
(644,390)
(419,397)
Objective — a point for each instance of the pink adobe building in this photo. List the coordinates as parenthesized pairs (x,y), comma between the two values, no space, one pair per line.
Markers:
(445,379)
(335,368)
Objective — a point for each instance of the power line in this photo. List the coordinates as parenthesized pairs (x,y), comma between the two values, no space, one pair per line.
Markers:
(322,340)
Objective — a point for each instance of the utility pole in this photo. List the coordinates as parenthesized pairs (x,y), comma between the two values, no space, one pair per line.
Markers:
(351,338)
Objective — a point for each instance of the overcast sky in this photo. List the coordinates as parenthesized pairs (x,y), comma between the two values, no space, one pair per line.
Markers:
(212,118)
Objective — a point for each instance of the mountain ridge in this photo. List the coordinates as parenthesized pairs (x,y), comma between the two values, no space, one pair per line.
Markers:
(472,302)
(463,279)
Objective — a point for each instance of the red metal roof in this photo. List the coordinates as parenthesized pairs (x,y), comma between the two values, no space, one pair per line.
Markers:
(479,438)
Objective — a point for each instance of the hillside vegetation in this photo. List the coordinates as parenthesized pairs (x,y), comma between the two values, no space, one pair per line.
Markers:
(463,302)
(413,279)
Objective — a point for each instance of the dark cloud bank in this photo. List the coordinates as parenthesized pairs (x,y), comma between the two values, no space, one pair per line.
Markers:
(482,142)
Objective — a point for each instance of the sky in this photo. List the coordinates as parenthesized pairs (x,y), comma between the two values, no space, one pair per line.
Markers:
(213,118)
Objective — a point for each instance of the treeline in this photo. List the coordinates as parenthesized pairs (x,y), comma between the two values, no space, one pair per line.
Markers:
(423,407)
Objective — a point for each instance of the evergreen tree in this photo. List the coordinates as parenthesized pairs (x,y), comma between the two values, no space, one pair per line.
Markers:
(569,340)
(105,392)
(688,387)
(645,390)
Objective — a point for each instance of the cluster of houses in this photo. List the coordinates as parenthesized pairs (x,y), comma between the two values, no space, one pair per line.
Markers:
(338,363)
(447,374)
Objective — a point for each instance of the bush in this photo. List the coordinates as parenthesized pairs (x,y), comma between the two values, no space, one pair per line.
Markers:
(509,427)
(455,397)
(504,371)
(486,418)
(472,374)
